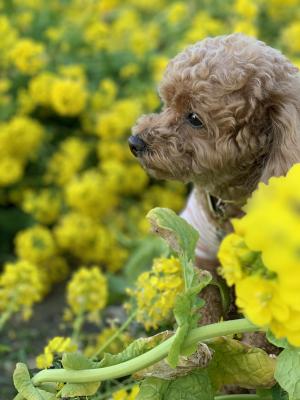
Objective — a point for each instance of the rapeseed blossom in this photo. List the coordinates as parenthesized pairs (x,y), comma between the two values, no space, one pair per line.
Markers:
(264,263)
(87,292)
(68,96)
(55,347)
(155,292)
(35,244)
(28,56)
(20,287)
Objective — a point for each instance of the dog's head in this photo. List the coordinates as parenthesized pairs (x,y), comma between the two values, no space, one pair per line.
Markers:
(231,106)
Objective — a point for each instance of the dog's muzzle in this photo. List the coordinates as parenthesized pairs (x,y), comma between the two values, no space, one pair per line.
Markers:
(136,145)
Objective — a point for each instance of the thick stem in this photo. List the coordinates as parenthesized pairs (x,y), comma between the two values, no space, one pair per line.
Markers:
(144,360)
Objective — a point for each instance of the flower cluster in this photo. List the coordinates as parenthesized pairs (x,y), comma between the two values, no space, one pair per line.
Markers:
(264,263)
(55,347)
(155,292)
(87,292)
(20,287)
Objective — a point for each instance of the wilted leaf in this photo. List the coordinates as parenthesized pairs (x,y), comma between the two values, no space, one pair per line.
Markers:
(287,372)
(181,236)
(135,349)
(186,364)
(240,364)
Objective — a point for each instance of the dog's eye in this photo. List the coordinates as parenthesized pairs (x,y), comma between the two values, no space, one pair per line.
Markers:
(194,120)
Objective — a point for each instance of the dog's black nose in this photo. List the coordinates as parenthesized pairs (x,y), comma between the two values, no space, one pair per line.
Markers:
(136,144)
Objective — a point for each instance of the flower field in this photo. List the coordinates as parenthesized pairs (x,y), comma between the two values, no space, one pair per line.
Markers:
(75,76)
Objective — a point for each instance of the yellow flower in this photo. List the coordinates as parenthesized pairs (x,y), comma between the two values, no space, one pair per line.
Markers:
(230,255)
(18,130)
(45,205)
(87,291)
(55,346)
(67,161)
(11,170)
(35,244)
(129,70)
(125,395)
(68,97)
(246,8)
(259,300)
(40,88)
(177,12)
(155,292)
(262,257)
(291,37)
(20,287)
(28,56)
(91,194)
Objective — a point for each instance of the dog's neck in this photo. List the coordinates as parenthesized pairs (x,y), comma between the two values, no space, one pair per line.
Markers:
(231,188)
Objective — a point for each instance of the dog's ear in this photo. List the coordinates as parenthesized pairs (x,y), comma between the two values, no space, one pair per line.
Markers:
(284,131)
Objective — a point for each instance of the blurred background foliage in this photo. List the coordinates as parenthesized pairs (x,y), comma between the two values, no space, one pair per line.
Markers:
(75,76)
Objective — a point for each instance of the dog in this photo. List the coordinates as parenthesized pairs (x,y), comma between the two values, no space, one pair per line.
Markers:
(230,119)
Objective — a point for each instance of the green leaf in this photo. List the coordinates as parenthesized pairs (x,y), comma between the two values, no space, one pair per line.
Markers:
(76,361)
(182,313)
(237,363)
(25,387)
(181,236)
(153,389)
(287,372)
(79,389)
(283,343)
(135,349)
(278,393)
(186,312)
(194,386)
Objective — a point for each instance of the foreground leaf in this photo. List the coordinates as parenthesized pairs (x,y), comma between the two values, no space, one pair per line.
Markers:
(181,236)
(287,372)
(194,386)
(240,364)
(25,387)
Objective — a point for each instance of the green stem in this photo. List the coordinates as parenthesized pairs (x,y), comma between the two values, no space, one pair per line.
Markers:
(77,325)
(5,317)
(239,397)
(116,334)
(144,360)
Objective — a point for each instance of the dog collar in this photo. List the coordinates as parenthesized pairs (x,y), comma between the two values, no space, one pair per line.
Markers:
(217,206)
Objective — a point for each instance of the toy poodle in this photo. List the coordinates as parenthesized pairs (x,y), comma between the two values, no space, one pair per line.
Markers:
(231,118)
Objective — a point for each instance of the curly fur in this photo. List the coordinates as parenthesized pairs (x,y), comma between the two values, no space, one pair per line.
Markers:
(248,96)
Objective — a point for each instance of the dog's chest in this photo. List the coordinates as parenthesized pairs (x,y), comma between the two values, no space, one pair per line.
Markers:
(211,218)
